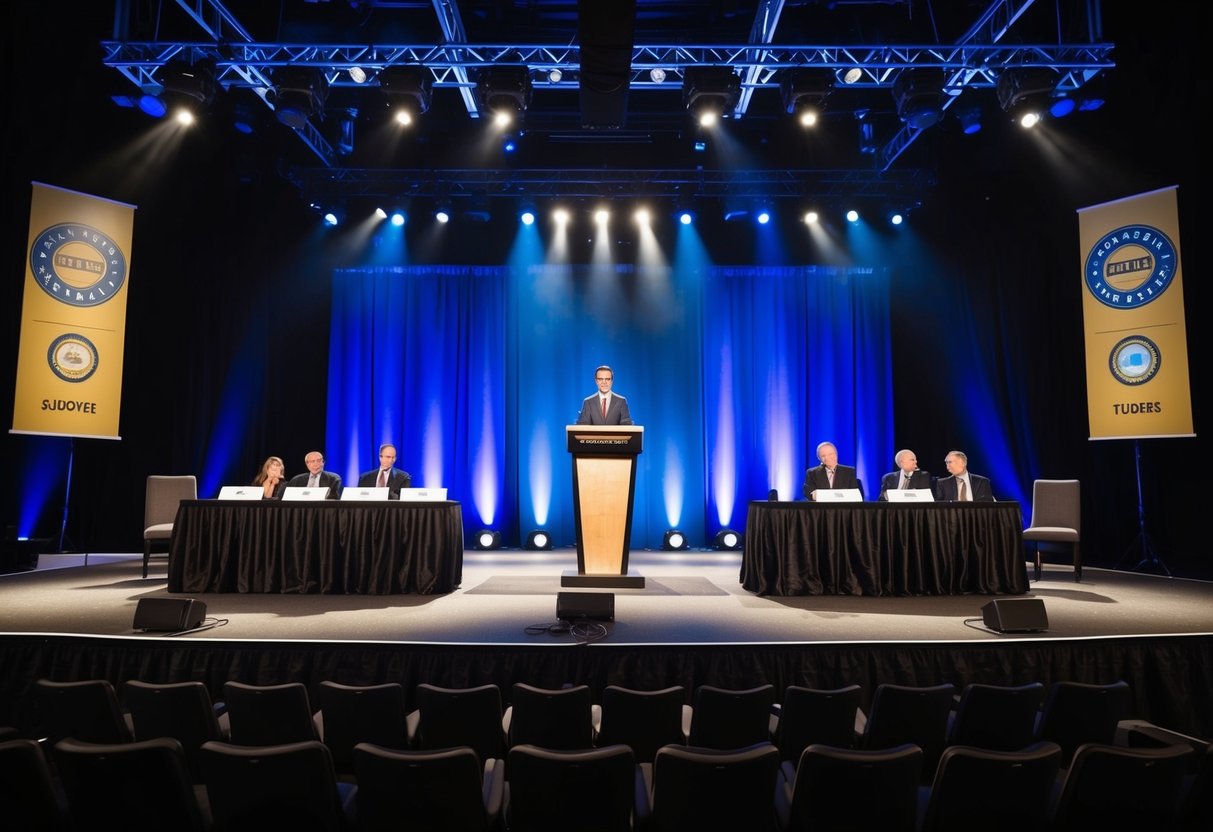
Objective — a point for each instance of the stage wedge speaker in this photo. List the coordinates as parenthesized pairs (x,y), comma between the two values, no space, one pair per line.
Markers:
(1016,615)
(169,614)
(585,606)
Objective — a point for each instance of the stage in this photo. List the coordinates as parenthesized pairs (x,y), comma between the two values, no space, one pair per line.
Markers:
(691,624)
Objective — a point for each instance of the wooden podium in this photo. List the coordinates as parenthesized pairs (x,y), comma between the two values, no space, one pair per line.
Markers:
(604,484)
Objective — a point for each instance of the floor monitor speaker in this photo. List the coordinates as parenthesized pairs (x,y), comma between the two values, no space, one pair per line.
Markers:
(1016,615)
(582,606)
(169,614)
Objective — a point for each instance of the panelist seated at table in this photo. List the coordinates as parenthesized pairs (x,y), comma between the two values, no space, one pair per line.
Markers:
(604,407)
(271,478)
(387,474)
(963,485)
(907,475)
(829,474)
(317,477)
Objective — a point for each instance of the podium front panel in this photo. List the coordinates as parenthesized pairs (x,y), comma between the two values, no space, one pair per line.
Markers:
(603,506)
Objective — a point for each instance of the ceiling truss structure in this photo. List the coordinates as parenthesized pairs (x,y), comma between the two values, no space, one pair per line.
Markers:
(974,61)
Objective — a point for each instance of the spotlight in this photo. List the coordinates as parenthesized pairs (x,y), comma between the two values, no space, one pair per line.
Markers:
(852,75)
(299,94)
(442,213)
(970,120)
(510,144)
(700,145)
(527,217)
(674,540)
(602,216)
(918,93)
(764,216)
(657,75)
(710,92)
(185,86)
(398,218)
(560,216)
(487,539)
(810,218)
(852,215)
(334,216)
(896,218)
(686,217)
(538,540)
(1062,106)
(641,216)
(1024,92)
(380,213)
(727,539)
(804,93)
(152,105)
(504,92)
(408,91)
(357,74)
(554,75)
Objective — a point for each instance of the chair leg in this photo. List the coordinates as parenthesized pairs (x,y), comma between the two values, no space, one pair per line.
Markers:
(1077,563)
(1037,547)
(147,553)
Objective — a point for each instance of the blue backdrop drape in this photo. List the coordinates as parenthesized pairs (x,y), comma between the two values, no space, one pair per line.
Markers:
(735,372)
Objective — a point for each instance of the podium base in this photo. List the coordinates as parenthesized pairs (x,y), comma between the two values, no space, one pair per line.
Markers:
(632,580)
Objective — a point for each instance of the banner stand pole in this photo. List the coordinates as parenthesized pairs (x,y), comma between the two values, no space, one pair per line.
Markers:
(67,493)
(1148,556)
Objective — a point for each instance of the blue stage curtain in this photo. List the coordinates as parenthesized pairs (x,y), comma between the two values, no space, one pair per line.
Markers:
(736,373)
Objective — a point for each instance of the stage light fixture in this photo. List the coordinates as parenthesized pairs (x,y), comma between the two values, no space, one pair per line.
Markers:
(504,93)
(442,213)
(408,90)
(728,540)
(896,218)
(675,540)
(641,216)
(380,213)
(867,133)
(970,120)
(487,539)
(918,93)
(763,216)
(560,216)
(1024,92)
(852,75)
(810,218)
(299,94)
(710,92)
(398,218)
(527,217)
(184,86)
(357,74)
(852,215)
(686,216)
(539,541)
(804,92)
(657,75)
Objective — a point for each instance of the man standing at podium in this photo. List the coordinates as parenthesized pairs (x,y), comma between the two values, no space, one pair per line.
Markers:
(604,407)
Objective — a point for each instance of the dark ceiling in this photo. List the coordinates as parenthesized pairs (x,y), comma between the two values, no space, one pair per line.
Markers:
(606,125)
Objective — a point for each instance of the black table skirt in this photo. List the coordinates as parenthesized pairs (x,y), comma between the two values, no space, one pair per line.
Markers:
(877,548)
(316,547)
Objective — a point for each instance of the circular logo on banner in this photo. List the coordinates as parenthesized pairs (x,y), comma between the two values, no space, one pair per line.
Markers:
(72,357)
(1134,360)
(1130,266)
(77,264)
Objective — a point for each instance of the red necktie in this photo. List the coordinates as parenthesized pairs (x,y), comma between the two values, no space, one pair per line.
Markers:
(604,407)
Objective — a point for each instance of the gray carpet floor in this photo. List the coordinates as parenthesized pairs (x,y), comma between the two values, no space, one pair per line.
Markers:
(509,597)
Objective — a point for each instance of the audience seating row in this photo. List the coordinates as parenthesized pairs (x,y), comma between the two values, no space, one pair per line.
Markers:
(636,759)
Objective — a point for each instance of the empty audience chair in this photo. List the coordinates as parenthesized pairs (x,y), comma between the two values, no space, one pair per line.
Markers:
(268,714)
(554,719)
(691,788)
(31,796)
(996,717)
(161,500)
(350,714)
(85,710)
(130,785)
(910,714)
(1075,713)
(454,717)
(591,790)
(288,786)
(994,791)
(851,789)
(643,720)
(445,790)
(1112,787)
(725,719)
(809,715)
(1056,519)
(181,710)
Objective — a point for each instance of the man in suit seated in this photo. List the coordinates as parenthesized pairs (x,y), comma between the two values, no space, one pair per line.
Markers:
(387,474)
(317,477)
(604,407)
(963,485)
(829,474)
(907,474)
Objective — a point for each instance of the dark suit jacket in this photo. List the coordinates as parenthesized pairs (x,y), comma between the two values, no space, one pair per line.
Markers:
(278,489)
(617,413)
(396,480)
(892,480)
(328,480)
(945,489)
(844,477)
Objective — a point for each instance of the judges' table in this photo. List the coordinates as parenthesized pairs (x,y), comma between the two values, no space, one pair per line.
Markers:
(878,548)
(376,548)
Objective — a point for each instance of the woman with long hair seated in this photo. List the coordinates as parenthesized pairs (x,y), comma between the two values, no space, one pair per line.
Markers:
(271,478)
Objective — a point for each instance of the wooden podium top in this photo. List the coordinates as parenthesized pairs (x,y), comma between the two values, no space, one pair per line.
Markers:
(605,440)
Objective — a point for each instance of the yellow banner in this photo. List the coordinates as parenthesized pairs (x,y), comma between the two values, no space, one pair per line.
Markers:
(1133,314)
(73,315)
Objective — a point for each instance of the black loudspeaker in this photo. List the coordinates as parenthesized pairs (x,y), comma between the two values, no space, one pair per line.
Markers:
(1016,615)
(169,614)
(582,606)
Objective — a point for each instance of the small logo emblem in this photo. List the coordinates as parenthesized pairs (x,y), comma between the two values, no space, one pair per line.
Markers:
(1130,266)
(77,264)
(72,357)
(1134,360)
